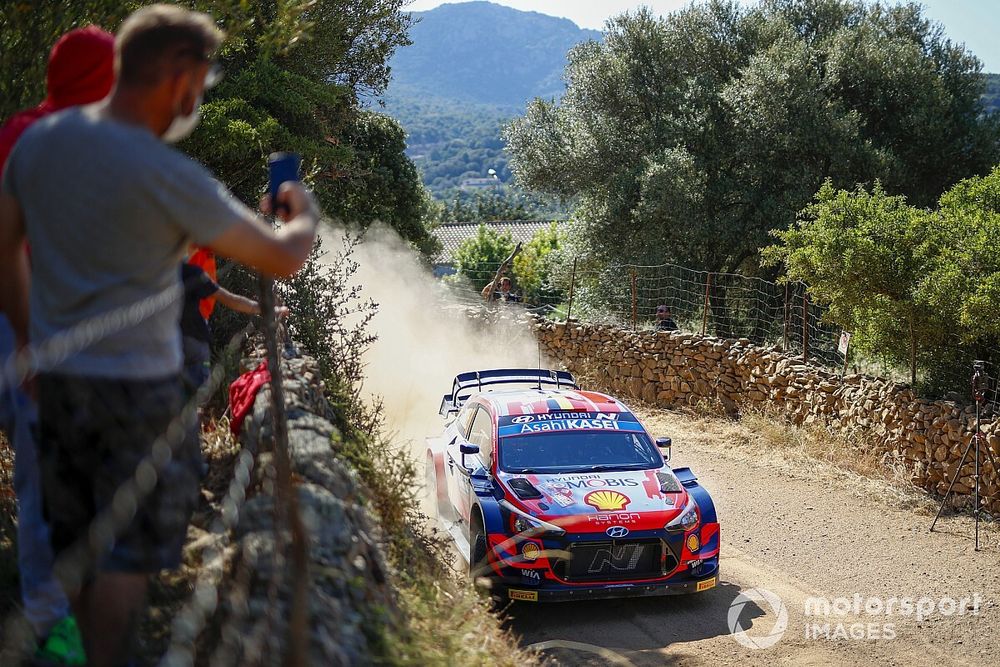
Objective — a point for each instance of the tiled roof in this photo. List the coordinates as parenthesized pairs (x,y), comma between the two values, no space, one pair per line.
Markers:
(452,234)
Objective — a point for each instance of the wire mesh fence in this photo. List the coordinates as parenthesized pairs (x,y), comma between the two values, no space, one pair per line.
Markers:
(133,513)
(724,305)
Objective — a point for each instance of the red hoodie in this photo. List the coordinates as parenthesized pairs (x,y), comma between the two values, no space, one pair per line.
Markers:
(81,71)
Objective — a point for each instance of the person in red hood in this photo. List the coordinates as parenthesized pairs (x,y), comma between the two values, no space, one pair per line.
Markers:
(81,71)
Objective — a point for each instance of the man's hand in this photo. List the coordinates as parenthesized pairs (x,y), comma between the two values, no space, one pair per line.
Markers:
(276,253)
(295,200)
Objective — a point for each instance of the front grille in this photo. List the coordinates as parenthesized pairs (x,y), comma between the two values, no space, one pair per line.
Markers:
(615,559)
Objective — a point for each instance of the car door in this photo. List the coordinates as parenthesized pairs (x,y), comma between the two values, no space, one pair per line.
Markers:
(480,432)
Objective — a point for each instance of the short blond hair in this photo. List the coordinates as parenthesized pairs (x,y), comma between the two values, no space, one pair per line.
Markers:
(157,40)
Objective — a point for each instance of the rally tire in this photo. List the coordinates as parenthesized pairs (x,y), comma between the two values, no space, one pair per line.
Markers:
(479,566)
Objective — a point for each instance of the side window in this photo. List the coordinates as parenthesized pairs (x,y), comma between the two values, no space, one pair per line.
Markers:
(465,420)
(482,434)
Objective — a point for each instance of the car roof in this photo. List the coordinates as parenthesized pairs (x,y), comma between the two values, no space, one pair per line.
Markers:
(543,401)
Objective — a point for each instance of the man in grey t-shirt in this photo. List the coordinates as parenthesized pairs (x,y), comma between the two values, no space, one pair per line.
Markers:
(109,210)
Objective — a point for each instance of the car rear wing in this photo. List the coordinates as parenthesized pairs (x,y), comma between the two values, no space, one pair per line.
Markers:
(467,384)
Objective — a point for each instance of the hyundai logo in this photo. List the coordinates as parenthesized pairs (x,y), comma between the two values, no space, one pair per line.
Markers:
(523,419)
(617,531)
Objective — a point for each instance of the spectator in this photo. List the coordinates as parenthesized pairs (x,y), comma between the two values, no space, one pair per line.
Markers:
(80,71)
(108,210)
(195,332)
(502,293)
(664,319)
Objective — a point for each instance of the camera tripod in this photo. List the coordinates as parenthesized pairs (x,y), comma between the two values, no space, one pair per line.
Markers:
(979,395)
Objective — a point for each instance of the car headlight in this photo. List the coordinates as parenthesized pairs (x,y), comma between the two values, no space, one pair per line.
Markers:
(537,526)
(686,520)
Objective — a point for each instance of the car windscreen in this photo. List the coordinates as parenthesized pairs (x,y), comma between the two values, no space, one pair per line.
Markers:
(578,451)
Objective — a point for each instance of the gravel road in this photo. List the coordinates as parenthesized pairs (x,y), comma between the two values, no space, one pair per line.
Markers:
(800,532)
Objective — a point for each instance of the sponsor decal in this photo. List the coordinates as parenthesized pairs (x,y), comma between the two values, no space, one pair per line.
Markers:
(526,596)
(571,425)
(617,517)
(530,551)
(531,574)
(552,416)
(617,531)
(591,482)
(567,421)
(705,585)
(693,544)
(607,501)
(560,493)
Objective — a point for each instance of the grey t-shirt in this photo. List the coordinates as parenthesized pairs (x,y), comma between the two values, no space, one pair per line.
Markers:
(109,211)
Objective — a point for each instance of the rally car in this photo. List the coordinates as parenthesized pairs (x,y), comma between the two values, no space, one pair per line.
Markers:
(552,493)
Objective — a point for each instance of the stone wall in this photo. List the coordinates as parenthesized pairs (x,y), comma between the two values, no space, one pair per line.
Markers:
(350,597)
(682,369)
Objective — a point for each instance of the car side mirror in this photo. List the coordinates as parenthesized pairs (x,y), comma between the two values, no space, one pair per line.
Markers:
(467,448)
(664,445)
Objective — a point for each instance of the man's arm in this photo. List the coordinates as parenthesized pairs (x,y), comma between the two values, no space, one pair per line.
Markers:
(276,253)
(240,304)
(14,274)
(487,290)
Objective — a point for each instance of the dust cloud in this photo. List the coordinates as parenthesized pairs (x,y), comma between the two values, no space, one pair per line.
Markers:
(423,340)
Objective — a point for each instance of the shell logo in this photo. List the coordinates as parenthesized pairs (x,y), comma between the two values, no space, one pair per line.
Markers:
(607,501)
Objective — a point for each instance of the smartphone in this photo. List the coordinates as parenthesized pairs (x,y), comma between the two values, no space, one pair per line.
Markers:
(281,167)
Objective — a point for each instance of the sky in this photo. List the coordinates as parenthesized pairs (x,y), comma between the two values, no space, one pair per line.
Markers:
(973,22)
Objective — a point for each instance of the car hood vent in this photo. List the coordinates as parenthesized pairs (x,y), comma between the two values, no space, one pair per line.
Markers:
(668,483)
(524,489)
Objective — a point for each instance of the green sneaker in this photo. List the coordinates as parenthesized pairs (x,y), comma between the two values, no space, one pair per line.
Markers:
(63,646)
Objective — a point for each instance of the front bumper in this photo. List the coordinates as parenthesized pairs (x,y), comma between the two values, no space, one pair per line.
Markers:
(604,591)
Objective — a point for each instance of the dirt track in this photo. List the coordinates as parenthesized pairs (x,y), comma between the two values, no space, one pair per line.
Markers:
(798,533)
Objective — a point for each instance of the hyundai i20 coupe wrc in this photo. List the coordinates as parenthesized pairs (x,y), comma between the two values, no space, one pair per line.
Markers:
(552,493)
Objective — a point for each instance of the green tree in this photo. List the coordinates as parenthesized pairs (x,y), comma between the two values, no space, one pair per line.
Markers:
(963,278)
(478,257)
(533,267)
(864,255)
(688,138)
(295,72)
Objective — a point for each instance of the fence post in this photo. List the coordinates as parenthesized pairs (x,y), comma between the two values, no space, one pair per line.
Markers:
(805,326)
(784,335)
(572,281)
(635,304)
(286,507)
(704,317)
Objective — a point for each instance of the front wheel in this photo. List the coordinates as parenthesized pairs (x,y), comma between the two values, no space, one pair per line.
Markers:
(479,566)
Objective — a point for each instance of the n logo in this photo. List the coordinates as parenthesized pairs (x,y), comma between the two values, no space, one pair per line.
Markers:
(620,558)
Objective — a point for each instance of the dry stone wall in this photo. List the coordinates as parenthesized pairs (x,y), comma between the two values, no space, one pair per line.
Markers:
(682,369)
(350,593)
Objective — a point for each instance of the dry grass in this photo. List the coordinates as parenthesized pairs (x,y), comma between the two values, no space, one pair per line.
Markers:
(9,597)
(858,463)
(445,621)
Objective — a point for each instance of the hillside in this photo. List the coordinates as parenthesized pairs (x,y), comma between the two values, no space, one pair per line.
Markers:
(472,67)
(991,97)
(482,53)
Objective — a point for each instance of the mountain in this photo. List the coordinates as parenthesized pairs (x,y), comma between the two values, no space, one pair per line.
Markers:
(471,68)
(482,53)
